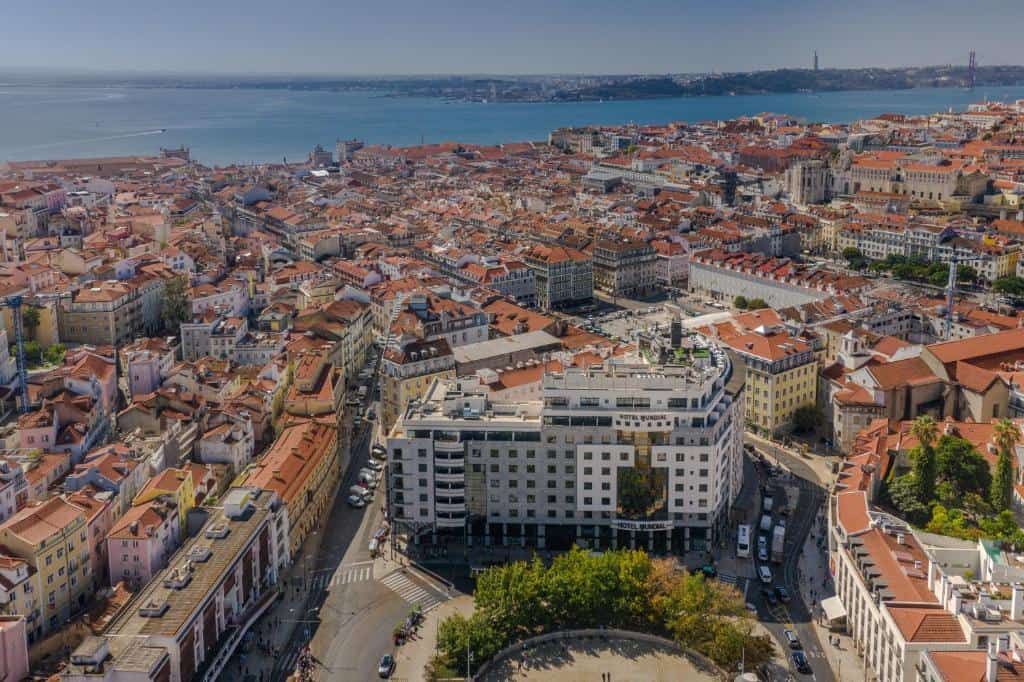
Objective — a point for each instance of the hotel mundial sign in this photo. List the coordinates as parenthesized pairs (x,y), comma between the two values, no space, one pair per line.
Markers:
(628,524)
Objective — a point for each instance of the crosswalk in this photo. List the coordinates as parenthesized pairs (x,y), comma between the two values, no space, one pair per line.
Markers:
(358,574)
(344,575)
(399,583)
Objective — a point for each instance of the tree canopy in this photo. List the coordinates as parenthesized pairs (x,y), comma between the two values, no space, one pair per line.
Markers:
(177,307)
(620,589)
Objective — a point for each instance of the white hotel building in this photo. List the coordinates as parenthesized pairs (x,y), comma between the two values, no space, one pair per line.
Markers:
(619,455)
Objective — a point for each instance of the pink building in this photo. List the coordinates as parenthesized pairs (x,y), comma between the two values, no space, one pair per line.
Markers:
(141,542)
(98,506)
(13,648)
(37,430)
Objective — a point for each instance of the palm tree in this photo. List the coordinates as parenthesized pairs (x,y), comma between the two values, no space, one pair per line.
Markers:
(1006,435)
(925,430)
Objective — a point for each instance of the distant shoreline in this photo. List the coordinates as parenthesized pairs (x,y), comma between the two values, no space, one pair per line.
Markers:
(548,89)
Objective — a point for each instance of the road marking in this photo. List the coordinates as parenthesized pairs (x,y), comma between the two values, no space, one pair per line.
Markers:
(400,584)
(355,575)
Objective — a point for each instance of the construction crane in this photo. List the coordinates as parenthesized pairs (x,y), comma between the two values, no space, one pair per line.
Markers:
(954,262)
(15,303)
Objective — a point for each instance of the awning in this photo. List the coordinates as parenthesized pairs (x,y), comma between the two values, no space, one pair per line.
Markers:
(833,608)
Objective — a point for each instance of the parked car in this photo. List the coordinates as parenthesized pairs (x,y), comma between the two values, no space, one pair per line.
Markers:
(362,491)
(800,661)
(369,473)
(794,641)
(368,482)
(356,501)
(374,465)
(770,597)
(765,574)
(782,593)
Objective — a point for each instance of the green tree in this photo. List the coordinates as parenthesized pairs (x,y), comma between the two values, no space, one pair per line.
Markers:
(904,495)
(853,255)
(1006,436)
(33,352)
(961,467)
(757,304)
(1010,286)
(176,305)
(740,302)
(966,273)
(54,355)
(30,318)
(476,635)
(925,470)
(807,418)
(513,595)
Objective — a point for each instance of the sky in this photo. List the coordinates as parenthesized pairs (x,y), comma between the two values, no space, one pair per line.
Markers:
(375,37)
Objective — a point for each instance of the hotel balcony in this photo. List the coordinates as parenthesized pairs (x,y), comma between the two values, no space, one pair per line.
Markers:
(450,519)
(450,476)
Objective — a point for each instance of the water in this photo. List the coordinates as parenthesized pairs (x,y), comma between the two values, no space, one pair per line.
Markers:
(229,126)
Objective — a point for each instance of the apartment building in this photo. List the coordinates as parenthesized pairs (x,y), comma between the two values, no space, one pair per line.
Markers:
(512,279)
(107,313)
(624,268)
(782,375)
(429,316)
(141,542)
(194,612)
(147,362)
(918,606)
(301,468)
(619,455)
(212,334)
(562,276)
(53,540)
(407,370)
(171,484)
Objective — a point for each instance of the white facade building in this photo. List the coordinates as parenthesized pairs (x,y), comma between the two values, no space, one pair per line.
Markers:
(622,455)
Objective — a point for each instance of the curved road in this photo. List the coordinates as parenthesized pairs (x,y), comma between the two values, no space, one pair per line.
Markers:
(795,615)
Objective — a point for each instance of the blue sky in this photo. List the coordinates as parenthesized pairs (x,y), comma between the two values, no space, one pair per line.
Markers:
(512,36)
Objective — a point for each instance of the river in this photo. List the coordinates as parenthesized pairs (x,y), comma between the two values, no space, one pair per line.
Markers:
(242,126)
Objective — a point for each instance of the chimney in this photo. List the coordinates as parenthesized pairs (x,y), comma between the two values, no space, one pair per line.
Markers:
(1017,603)
(900,539)
(992,669)
(955,600)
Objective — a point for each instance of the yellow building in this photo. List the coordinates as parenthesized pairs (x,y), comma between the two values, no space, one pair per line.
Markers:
(302,467)
(53,539)
(176,484)
(408,371)
(782,376)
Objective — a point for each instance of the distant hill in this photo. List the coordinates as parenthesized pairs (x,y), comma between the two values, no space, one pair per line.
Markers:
(797,80)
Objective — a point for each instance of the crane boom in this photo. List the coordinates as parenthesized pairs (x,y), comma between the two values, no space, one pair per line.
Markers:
(14,303)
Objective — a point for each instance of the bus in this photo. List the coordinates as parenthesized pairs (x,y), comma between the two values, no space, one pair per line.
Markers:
(743,542)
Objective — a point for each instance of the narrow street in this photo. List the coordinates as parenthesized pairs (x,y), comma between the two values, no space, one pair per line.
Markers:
(793,471)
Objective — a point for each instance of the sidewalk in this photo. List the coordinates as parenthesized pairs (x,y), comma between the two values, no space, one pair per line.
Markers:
(279,626)
(815,585)
(819,464)
(412,657)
